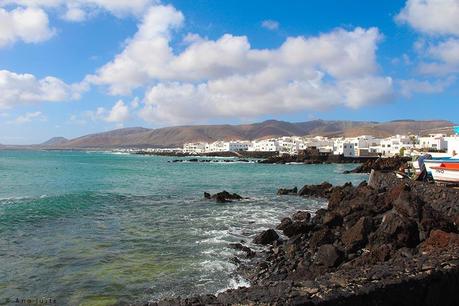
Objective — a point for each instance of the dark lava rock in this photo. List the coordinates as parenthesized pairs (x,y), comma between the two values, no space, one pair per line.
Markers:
(382,164)
(296,228)
(248,251)
(284,223)
(285,191)
(266,237)
(323,190)
(301,216)
(223,197)
(332,219)
(328,255)
(357,236)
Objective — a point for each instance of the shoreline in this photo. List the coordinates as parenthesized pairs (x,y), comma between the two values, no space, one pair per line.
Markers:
(394,242)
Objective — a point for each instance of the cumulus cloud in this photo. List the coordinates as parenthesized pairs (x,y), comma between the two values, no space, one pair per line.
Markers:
(28,117)
(118,113)
(413,86)
(270,24)
(30,25)
(433,17)
(77,10)
(227,77)
(26,88)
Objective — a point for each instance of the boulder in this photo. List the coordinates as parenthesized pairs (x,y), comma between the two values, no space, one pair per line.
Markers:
(357,236)
(328,255)
(301,216)
(332,219)
(397,230)
(285,191)
(266,237)
(323,190)
(297,228)
(284,223)
(320,237)
(223,197)
(438,241)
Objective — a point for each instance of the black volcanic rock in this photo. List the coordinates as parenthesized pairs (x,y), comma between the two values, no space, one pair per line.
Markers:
(266,237)
(381,164)
(223,197)
(285,191)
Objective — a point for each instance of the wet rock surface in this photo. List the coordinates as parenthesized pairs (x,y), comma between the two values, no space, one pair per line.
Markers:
(223,197)
(395,243)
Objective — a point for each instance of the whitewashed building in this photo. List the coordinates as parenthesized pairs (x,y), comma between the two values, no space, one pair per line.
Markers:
(343,146)
(434,141)
(195,147)
(265,145)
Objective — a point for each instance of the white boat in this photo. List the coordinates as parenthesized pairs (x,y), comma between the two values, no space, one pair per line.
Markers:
(446,173)
(431,163)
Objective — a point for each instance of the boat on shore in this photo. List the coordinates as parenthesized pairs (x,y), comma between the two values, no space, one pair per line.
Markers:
(446,173)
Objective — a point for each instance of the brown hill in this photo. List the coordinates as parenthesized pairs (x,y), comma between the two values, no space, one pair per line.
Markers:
(177,136)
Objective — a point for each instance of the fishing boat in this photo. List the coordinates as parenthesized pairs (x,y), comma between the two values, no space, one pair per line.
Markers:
(436,162)
(446,173)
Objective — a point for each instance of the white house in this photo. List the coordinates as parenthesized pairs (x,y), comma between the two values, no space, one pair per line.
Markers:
(267,145)
(343,146)
(195,147)
(433,141)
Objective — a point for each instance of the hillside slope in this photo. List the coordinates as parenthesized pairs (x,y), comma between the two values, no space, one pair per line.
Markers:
(177,136)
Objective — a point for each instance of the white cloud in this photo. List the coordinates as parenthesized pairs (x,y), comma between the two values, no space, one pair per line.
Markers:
(118,113)
(228,78)
(26,88)
(412,86)
(28,117)
(444,56)
(270,24)
(76,10)
(30,25)
(434,17)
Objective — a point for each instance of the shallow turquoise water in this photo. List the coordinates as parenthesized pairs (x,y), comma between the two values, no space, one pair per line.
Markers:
(95,228)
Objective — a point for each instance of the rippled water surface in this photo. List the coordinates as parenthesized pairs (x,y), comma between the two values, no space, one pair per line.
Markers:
(95,228)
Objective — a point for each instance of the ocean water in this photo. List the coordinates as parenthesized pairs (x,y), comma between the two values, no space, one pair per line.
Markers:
(97,228)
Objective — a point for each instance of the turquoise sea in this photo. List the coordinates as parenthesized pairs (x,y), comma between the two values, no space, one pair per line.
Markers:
(98,228)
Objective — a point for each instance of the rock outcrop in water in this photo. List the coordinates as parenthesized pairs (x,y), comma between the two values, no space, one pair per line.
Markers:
(223,197)
(381,164)
(392,242)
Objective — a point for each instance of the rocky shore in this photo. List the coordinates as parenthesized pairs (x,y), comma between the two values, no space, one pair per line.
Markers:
(393,242)
(382,164)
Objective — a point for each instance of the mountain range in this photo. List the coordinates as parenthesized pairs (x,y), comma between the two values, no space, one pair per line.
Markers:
(176,136)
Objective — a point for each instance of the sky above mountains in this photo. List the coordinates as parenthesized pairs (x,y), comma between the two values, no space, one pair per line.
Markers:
(74,67)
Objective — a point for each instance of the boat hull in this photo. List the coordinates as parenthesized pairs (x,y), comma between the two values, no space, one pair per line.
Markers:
(446,173)
(431,163)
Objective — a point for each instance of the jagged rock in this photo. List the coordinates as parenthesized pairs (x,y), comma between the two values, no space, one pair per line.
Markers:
(396,229)
(285,191)
(328,255)
(297,228)
(223,197)
(357,236)
(301,216)
(381,164)
(332,219)
(266,237)
(284,223)
(323,190)
(438,241)
(237,246)
(320,237)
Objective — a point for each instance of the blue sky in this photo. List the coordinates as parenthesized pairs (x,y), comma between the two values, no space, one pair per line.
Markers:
(68,68)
